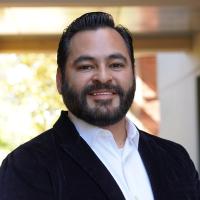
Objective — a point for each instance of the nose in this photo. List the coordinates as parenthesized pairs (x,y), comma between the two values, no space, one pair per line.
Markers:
(102,75)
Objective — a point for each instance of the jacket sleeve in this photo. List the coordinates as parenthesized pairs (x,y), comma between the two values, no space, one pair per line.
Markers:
(194,176)
(183,178)
(23,177)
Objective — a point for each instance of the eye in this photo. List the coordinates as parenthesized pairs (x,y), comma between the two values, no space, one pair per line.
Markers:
(85,67)
(116,66)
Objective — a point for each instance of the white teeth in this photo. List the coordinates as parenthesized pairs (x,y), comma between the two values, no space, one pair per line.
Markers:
(102,93)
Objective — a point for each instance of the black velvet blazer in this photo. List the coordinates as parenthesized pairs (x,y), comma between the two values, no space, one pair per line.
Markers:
(59,165)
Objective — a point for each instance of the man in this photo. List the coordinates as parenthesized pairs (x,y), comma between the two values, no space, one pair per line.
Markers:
(93,151)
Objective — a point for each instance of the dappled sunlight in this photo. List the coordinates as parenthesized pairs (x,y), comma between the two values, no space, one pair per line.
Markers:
(29,101)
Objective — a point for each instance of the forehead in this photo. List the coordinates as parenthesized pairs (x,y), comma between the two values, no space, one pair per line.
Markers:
(97,42)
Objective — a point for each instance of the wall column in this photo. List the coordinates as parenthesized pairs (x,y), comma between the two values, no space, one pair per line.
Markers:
(177,88)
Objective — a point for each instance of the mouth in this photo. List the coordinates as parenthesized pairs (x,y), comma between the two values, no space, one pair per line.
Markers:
(102,94)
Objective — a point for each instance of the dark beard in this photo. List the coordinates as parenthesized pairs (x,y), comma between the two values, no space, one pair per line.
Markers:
(77,103)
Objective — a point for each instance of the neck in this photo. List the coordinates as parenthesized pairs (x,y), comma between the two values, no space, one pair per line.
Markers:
(119,132)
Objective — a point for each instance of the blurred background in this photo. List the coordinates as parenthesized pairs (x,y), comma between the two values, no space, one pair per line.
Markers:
(166,37)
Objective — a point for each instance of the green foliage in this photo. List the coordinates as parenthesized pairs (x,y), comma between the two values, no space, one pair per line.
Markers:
(29,101)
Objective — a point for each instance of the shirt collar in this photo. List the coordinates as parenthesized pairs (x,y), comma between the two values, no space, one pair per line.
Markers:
(132,132)
(88,131)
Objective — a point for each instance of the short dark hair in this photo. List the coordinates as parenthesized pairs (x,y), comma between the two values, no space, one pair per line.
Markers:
(90,21)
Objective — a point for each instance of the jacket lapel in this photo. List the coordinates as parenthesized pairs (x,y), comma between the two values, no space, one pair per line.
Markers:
(155,166)
(82,154)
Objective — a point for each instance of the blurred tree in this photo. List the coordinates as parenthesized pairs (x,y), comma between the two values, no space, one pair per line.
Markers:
(29,101)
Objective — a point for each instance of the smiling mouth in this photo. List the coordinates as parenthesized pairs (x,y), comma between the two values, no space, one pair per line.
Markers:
(102,94)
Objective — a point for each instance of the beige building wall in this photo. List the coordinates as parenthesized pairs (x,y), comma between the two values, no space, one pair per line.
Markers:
(177,74)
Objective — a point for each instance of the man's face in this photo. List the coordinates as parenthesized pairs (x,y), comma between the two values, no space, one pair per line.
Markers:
(99,83)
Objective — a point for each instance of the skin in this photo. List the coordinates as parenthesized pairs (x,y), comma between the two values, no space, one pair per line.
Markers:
(100,56)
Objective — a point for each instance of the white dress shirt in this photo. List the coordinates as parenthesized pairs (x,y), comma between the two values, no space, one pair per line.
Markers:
(125,164)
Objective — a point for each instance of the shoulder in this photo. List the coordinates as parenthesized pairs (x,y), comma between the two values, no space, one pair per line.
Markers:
(41,151)
(31,154)
(27,169)
(34,154)
(160,143)
(38,148)
(166,152)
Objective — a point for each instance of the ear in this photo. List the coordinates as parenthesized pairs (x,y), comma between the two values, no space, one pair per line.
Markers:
(59,80)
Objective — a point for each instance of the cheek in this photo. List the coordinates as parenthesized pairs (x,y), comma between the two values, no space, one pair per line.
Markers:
(131,77)
(77,82)
(126,80)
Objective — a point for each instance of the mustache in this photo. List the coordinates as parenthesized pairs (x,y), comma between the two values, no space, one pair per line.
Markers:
(100,86)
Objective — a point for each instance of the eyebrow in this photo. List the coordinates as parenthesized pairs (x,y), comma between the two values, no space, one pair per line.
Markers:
(83,58)
(90,58)
(117,56)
